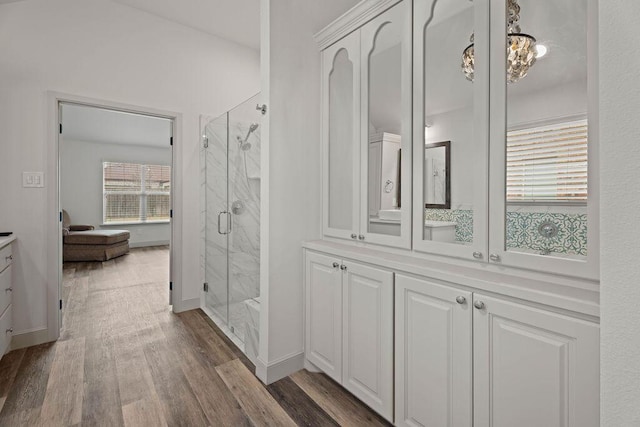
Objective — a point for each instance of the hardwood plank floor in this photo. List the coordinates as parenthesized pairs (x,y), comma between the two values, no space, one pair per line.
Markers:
(124,359)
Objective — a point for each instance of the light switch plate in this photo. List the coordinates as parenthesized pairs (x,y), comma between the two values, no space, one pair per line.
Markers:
(33,179)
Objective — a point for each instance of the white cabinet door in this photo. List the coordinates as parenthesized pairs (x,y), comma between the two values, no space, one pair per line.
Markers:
(385,107)
(368,336)
(533,368)
(433,326)
(6,331)
(341,136)
(324,314)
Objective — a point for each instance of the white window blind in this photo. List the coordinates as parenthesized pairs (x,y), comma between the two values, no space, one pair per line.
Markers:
(136,193)
(548,163)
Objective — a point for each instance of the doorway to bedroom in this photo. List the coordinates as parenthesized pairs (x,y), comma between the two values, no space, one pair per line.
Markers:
(115,182)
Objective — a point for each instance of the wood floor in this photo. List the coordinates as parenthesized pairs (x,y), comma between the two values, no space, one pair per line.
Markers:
(124,359)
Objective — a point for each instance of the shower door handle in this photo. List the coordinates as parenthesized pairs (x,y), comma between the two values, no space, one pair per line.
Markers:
(229,222)
(219,215)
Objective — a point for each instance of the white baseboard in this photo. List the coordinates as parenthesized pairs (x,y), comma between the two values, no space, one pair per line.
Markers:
(28,339)
(147,244)
(279,369)
(186,305)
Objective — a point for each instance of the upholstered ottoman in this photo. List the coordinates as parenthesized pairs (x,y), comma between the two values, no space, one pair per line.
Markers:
(95,245)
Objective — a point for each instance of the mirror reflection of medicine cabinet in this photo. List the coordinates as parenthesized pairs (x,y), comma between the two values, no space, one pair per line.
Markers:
(519,188)
(367,131)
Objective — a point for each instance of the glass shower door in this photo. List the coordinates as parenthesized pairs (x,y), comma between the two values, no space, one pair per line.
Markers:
(244,205)
(231,154)
(217,218)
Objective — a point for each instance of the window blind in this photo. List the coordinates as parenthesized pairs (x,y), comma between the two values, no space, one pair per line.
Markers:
(136,192)
(548,163)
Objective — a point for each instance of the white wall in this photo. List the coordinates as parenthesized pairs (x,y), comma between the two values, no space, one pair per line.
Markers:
(81,184)
(620,205)
(103,50)
(291,149)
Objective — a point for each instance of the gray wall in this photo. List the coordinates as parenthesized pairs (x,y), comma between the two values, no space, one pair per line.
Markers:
(81,184)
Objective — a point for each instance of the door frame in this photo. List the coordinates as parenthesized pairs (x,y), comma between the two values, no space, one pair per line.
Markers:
(53,225)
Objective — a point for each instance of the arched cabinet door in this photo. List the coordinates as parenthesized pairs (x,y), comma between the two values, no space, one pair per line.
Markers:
(385,128)
(451,128)
(341,136)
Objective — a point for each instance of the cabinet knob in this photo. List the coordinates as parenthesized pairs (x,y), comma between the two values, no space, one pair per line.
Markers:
(9,331)
(477,255)
(354,236)
(9,290)
(336,265)
(361,237)
(8,258)
(461,300)
(478,304)
(343,267)
(494,257)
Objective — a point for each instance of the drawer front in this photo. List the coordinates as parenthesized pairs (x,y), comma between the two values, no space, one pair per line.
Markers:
(6,257)
(5,288)
(5,331)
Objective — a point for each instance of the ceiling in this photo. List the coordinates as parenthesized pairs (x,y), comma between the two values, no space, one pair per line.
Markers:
(89,124)
(235,20)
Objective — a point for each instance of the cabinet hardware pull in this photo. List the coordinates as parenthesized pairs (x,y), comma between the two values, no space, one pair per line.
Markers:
(461,300)
(9,331)
(9,290)
(343,267)
(8,258)
(361,237)
(336,265)
(478,304)
(477,255)
(494,257)
(354,236)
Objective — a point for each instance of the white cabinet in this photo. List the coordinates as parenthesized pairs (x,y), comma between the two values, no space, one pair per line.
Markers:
(324,314)
(533,367)
(528,366)
(523,186)
(433,379)
(6,291)
(349,327)
(366,93)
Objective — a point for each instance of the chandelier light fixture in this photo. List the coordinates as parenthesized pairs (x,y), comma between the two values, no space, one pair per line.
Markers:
(521,48)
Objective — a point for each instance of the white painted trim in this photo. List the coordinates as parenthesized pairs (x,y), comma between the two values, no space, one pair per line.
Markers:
(149,243)
(572,295)
(351,20)
(30,338)
(187,305)
(279,368)
(53,226)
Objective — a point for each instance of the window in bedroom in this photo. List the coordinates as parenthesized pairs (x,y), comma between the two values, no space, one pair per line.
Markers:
(136,193)
(548,163)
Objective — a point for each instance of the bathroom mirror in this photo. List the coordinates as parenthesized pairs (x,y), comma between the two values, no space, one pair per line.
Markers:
(437,175)
(547,131)
(340,143)
(451,112)
(385,123)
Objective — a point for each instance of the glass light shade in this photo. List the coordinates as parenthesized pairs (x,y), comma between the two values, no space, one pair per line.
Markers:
(468,62)
(521,55)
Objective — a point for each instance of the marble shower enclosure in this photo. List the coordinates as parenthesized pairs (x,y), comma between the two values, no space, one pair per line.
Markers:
(230,197)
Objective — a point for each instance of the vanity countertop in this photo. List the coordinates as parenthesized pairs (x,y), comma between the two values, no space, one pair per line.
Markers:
(427,223)
(4,241)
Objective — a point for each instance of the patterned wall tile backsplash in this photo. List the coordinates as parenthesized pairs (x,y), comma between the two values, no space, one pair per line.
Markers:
(522,230)
(462,218)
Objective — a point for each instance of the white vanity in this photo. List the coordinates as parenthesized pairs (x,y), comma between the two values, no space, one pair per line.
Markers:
(472,298)
(6,292)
